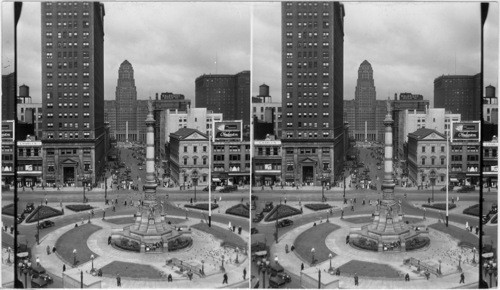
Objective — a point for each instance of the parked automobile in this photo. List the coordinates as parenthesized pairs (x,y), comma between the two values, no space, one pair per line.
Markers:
(40,278)
(285,277)
(213,188)
(450,188)
(285,223)
(20,218)
(258,217)
(466,188)
(29,207)
(46,224)
(254,231)
(254,197)
(276,282)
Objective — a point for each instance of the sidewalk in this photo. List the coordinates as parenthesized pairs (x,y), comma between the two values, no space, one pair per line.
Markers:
(440,248)
(106,254)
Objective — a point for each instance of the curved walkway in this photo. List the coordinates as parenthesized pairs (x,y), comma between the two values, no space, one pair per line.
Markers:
(440,248)
(98,243)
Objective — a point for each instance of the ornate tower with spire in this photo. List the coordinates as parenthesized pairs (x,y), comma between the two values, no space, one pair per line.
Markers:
(387,229)
(150,228)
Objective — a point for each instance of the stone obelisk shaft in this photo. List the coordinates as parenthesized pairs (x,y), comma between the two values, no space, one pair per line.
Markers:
(150,182)
(388,183)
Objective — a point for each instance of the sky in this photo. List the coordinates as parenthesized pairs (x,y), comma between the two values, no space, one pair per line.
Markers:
(407,44)
(170,44)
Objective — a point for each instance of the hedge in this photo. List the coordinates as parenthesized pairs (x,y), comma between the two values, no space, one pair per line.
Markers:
(45,212)
(283,210)
(472,210)
(317,206)
(202,206)
(79,207)
(179,243)
(366,244)
(416,243)
(440,206)
(239,210)
(129,245)
(8,209)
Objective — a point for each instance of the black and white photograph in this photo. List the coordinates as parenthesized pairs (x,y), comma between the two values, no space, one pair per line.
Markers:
(249,144)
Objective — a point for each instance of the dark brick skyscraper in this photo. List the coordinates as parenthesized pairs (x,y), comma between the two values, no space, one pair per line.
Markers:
(73,92)
(312,41)
(126,104)
(460,95)
(226,94)
(365,99)
(8,97)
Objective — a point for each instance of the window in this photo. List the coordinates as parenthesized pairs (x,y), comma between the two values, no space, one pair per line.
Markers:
(185,149)
(423,161)
(442,148)
(432,161)
(433,149)
(442,161)
(423,149)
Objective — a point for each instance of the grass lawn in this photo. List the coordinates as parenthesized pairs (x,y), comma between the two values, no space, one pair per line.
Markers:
(368,269)
(9,210)
(465,238)
(130,270)
(222,234)
(368,219)
(315,238)
(131,220)
(76,238)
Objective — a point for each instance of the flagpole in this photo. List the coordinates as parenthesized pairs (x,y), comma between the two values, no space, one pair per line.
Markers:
(210,176)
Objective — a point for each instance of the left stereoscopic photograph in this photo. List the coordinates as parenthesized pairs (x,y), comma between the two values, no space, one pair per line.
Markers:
(125,144)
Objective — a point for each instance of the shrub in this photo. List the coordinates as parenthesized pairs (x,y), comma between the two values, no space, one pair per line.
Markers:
(472,210)
(440,206)
(416,243)
(365,244)
(179,243)
(281,211)
(317,206)
(79,207)
(129,245)
(45,212)
(239,210)
(202,206)
(8,209)
(494,220)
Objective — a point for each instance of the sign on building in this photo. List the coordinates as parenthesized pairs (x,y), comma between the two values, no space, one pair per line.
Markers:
(8,131)
(228,131)
(465,131)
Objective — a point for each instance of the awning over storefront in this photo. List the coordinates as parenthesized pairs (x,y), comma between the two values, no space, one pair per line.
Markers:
(453,180)
(216,179)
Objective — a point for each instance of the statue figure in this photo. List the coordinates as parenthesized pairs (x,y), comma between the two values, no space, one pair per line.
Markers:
(150,105)
(388,103)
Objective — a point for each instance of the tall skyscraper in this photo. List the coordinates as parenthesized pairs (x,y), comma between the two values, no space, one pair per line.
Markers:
(8,97)
(459,94)
(312,39)
(126,107)
(73,92)
(226,94)
(365,98)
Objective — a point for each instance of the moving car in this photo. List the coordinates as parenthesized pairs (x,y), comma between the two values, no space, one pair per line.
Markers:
(269,206)
(254,231)
(40,278)
(46,224)
(29,208)
(258,217)
(450,188)
(285,223)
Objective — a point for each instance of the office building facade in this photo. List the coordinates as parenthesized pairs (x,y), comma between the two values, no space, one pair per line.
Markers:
(459,94)
(312,95)
(73,140)
(126,109)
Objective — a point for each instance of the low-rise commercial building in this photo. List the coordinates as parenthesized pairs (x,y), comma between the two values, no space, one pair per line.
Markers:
(464,152)
(490,163)
(267,161)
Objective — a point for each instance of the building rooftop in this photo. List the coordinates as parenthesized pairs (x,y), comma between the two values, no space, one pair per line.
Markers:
(424,132)
(184,132)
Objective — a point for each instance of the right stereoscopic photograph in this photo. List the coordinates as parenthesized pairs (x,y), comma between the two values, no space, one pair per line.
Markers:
(374,140)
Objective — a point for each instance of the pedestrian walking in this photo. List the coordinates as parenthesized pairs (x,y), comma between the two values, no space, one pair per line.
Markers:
(103,215)
(244,273)
(53,249)
(462,279)
(48,250)
(407,277)
(302,267)
(38,261)
(224,281)
(169,278)
(286,248)
(356,279)
(46,201)
(118,280)
(64,267)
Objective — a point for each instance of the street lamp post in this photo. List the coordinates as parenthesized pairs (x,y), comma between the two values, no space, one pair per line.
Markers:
(194,177)
(330,256)
(344,185)
(312,255)
(432,177)
(237,250)
(490,268)
(222,266)
(105,187)
(474,255)
(74,256)
(203,267)
(38,224)
(92,258)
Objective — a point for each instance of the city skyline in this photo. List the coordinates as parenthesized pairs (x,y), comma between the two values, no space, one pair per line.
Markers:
(193,35)
(401,63)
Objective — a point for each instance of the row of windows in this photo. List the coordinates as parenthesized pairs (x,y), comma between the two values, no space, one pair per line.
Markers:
(68,151)
(67,95)
(68,125)
(433,161)
(62,65)
(70,135)
(66,75)
(68,24)
(28,152)
(85,4)
(67,115)
(433,149)
(195,149)
(68,85)
(306,4)
(68,105)
(309,24)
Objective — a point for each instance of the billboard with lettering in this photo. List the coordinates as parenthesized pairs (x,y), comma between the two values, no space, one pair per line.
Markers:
(465,131)
(8,131)
(228,131)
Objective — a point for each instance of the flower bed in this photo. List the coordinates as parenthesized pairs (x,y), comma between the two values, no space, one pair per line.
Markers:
(239,210)
(317,206)
(440,206)
(281,211)
(45,212)
(79,207)
(179,243)
(365,244)
(129,245)
(202,206)
(416,243)
(472,210)
(8,209)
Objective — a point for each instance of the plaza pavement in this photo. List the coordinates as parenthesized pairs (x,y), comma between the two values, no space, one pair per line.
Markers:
(98,243)
(336,243)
